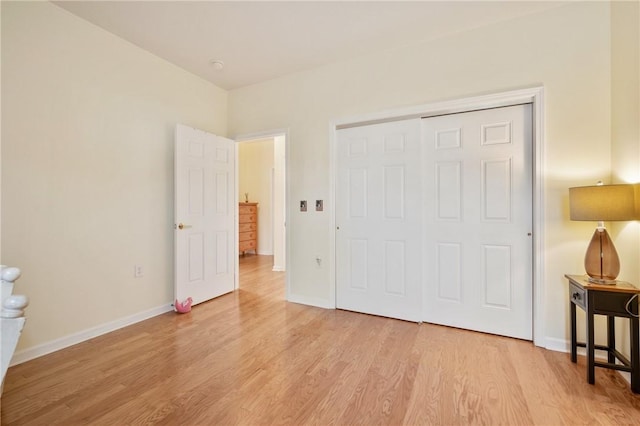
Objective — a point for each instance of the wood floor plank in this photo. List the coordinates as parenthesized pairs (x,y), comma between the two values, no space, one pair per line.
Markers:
(251,358)
(382,393)
(429,403)
(542,382)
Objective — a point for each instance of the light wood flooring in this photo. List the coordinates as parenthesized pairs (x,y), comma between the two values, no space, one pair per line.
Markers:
(251,358)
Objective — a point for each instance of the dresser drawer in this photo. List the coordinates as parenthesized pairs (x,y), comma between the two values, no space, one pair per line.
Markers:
(577,295)
(244,236)
(247,209)
(247,218)
(247,245)
(246,227)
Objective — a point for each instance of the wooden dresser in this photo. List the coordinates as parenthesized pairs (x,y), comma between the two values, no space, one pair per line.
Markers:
(248,227)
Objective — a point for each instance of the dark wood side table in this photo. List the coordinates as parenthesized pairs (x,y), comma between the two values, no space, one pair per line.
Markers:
(617,300)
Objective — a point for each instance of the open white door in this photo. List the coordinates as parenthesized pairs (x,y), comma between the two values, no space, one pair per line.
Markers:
(204,215)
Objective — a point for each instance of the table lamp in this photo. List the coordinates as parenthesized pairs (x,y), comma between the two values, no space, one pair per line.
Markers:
(603,203)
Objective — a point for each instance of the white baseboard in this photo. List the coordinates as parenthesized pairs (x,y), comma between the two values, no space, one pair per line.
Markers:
(557,345)
(278,268)
(28,354)
(311,301)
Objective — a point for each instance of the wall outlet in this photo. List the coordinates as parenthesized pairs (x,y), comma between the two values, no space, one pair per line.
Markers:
(137,271)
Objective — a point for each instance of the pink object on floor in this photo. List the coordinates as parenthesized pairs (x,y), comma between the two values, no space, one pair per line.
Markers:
(183,307)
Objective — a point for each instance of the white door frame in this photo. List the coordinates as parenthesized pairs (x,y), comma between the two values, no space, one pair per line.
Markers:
(533,95)
(287,214)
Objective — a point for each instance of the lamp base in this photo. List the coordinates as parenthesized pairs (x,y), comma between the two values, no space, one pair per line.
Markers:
(601,260)
(602,281)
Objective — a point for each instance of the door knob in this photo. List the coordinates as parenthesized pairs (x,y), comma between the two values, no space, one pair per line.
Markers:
(183,226)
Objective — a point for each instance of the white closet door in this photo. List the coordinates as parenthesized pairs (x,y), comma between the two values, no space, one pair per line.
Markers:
(477,242)
(378,218)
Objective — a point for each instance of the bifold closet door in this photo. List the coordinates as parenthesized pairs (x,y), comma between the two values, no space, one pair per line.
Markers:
(378,219)
(477,243)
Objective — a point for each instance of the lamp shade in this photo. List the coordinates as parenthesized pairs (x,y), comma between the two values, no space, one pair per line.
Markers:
(605,202)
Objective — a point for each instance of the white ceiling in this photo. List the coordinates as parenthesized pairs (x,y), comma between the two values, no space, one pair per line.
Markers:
(259,41)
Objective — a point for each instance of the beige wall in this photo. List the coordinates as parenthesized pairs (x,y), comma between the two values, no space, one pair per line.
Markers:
(87,168)
(625,119)
(567,50)
(625,133)
(0,138)
(255,166)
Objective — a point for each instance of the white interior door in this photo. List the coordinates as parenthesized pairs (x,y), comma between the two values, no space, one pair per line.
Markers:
(204,214)
(378,218)
(478,220)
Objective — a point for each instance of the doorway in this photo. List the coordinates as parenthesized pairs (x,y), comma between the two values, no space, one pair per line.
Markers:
(261,172)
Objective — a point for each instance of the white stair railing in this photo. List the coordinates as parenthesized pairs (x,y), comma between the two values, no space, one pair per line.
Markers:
(11,316)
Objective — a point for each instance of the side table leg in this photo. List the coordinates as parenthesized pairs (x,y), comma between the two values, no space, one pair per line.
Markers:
(635,355)
(591,368)
(574,346)
(611,339)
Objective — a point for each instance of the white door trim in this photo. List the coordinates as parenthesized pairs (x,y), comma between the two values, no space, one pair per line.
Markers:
(533,95)
(287,214)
